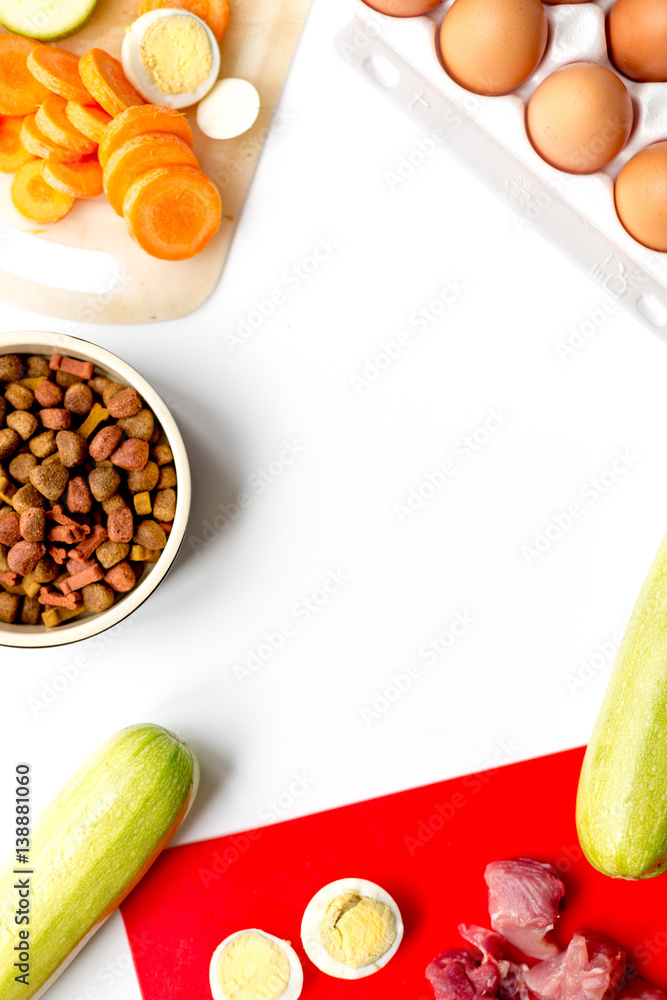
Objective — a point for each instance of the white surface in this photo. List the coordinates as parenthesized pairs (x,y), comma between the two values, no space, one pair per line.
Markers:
(297,735)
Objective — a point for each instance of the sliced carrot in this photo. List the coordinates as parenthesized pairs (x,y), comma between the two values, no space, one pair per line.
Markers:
(138,156)
(78,180)
(54,123)
(58,70)
(135,121)
(214,12)
(173,212)
(13,153)
(105,81)
(40,145)
(20,92)
(88,119)
(35,199)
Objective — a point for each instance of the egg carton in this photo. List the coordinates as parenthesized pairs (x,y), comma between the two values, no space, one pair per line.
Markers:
(399,56)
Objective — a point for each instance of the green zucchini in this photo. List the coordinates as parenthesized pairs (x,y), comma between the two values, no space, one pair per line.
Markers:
(47,20)
(622,796)
(89,848)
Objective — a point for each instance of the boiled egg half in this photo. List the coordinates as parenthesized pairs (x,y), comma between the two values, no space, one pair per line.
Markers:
(171,57)
(351,928)
(254,965)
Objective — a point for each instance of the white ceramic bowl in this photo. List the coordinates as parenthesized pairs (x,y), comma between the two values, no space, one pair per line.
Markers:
(86,625)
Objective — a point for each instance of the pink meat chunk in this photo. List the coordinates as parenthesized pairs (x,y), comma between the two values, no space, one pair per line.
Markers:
(638,989)
(591,968)
(511,976)
(524,898)
(459,975)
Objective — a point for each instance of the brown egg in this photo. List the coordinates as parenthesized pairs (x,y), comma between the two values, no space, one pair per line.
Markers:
(580,117)
(641,196)
(403,8)
(637,33)
(492,46)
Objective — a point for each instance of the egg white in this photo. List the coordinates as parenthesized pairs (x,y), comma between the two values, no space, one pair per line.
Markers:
(295,984)
(311,927)
(139,78)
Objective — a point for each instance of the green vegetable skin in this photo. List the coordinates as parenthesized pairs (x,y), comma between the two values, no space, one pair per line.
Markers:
(47,20)
(92,845)
(622,798)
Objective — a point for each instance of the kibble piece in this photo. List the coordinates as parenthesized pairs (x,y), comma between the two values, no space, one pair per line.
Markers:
(98,383)
(98,596)
(103,483)
(78,497)
(50,459)
(9,607)
(72,448)
(46,570)
(110,553)
(55,419)
(164,507)
(104,442)
(27,497)
(111,390)
(162,454)
(66,379)
(167,479)
(132,455)
(142,504)
(48,394)
(11,368)
(140,425)
(10,529)
(79,398)
(43,444)
(82,369)
(144,480)
(32,524)
(150,535)
(30,611)
(140,554)
(9,442)
(24,556)
(37,366)
(121,577)
(25,424)
(96,416)
(50,480)
(116,502)
(20,466)
(3,410)
(4,565)
(19,396)
(120,525)
(123,404)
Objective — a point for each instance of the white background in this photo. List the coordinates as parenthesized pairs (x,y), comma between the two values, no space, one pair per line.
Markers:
(520,681)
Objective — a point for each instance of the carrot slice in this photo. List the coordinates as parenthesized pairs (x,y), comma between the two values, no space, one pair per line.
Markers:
(173,212)
(137,157)
(88,119)
(214,12)
(135,121)
(104,79)
(78,180)
(20,92)
(54,123)
(13,153)
(58,70)
(35,199)
(40,145)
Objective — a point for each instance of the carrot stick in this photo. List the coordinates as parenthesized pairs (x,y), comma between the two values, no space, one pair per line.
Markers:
(13,153)
(137,120)
(88,119)
(104,79)
(40,145)
(217,18)
(173,212)
(35,199)
(54,123)
(78,180)
(58,70)
(20,92)
(137,157)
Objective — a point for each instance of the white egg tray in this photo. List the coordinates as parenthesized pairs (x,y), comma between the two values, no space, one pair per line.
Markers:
(399,56)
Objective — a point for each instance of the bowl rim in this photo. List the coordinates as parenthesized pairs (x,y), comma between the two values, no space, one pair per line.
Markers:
(39,636)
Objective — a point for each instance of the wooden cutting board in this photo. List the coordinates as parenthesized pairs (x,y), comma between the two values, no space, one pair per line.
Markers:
(258,47)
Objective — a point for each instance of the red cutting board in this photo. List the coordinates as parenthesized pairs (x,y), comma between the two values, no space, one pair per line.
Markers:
(427,847)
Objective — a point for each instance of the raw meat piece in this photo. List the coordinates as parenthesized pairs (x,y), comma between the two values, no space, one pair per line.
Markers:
(592,968)
(493,947)
(459,975)
(524,897)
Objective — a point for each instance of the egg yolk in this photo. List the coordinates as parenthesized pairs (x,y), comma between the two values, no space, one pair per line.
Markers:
(252,967)
(357,930)
(176,54)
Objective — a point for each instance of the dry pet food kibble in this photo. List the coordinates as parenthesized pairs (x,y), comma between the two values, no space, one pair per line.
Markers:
(87,489)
